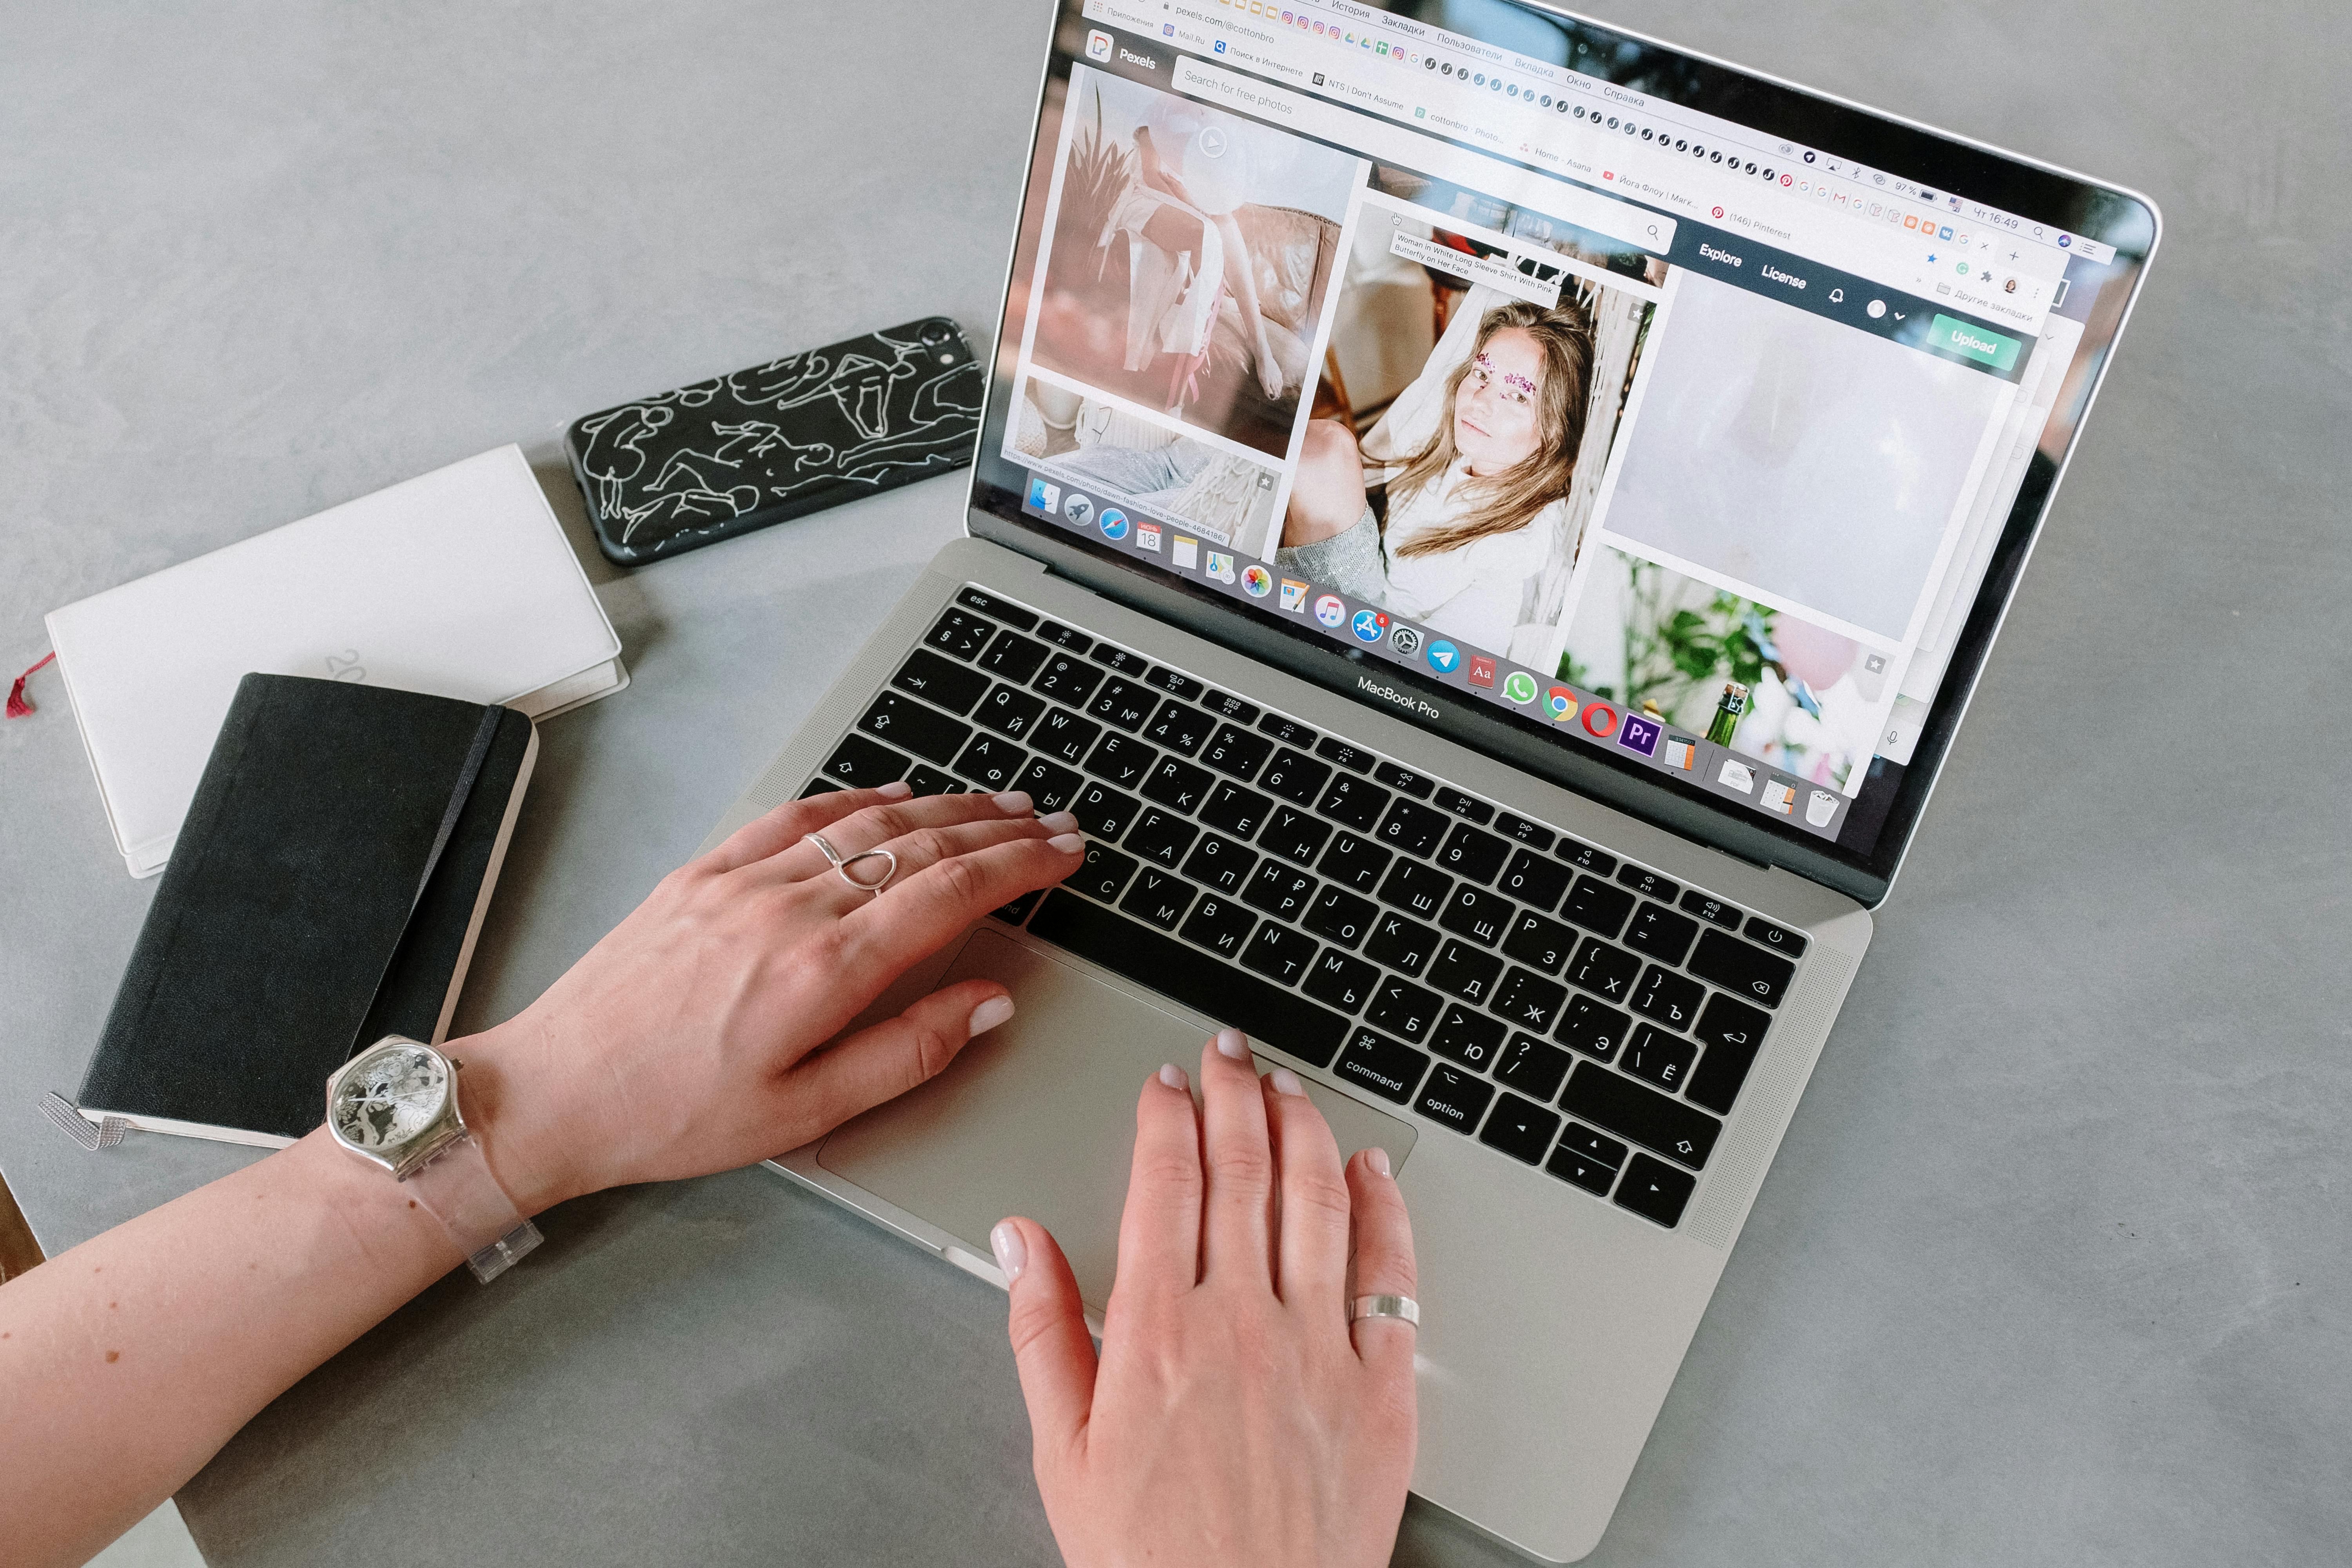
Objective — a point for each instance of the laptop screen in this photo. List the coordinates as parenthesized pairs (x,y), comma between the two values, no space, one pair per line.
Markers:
(1569,384)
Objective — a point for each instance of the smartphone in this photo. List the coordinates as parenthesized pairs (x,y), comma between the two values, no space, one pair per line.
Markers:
(779,440)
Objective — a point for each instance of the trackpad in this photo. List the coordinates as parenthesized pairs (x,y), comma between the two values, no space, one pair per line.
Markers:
(1038,1117)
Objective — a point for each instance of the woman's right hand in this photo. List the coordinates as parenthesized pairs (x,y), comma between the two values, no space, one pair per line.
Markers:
(1235,1415)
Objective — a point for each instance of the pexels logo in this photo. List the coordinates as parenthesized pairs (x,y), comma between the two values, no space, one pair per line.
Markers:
(1131,58)
(1402,699)
(1097,45)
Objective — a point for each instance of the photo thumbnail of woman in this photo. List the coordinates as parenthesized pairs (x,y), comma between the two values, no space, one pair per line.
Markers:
(1190,253)
(1460,501)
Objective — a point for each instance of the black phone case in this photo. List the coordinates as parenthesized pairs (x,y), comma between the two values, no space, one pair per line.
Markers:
(779,440)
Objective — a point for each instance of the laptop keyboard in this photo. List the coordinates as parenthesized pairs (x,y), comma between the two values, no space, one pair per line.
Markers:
(1573,1012)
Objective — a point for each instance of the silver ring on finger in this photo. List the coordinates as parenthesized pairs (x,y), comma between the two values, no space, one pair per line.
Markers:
(1404,1309)
(844,864)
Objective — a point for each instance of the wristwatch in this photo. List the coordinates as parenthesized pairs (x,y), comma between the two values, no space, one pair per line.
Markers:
(395,1103)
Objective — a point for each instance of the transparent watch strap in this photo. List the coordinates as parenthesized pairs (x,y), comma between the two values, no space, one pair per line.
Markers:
(455,1188)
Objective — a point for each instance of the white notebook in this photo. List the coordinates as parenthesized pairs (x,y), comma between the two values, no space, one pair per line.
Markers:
(459,583)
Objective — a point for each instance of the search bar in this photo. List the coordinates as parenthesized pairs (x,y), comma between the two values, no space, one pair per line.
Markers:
(1425,154)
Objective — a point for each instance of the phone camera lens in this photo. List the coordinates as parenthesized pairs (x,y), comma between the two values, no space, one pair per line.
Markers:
(937,333)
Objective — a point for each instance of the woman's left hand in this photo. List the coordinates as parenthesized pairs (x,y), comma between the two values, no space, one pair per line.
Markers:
(686,1041)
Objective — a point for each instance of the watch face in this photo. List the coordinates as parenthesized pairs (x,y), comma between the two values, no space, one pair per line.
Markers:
(391,1097)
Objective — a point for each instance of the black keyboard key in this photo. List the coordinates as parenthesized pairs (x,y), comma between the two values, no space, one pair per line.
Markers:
(951,686)
(1063,735)
(1714,911)
(1338,981)
(1403,1010)
(1404,781)
(1176,683)
(822,786)
(1463,970)
(1010,713)
(1477,914)
(1596,1147)
(1013,656)
(1353,803)
(1473,855)
(1120,659)
(1222,864)
(1340,917)
(1661,933)
(1586,1025)
(1414,828)
(1519,1128)
(1102,873)
(1235,810)
(904,722)
(1734,1032)
(1013,911)
(991,761)
(1416,889)
(1585,858)
(1117,759)
(1539,942)
(1265,1012)
(1333,749)
(1069,679)
(1178,727)
(1159,897)
(1226,705)
(988,604)
(1279,890)
(1294,834)
(1050,785)
(1531,1067)
(1065,637)
(926,781)
(1377,1063)
(1220,925)
(1780,939)
(1649,884)
(1123,703)
(1178,784)
(1572,1167)
(1451,800)
(1662,1059)
(1279,953)
(1529,1001)
(1604,969)
(1296,778)
(961,632)
(1237,753)
(858,763)
(1455,1098)
(1671,999)
(1160,837)
(1641,1113)
(1401,944)
(1519,830)
(1654,1191)
(1471,1039)
(1290,731)
(1746,971)
(1596,906)
(1535,880)
(1103,813)
(1354,862)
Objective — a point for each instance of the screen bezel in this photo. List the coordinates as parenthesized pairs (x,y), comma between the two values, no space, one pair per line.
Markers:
(2100,210)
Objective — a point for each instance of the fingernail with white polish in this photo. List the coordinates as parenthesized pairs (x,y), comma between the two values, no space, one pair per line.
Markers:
(1060,822)
(1015,802)
(896,789)
(1284,1082)
(1012,1251)
(1233,1043)
(1377,1159)
(1068,843)
(988,1014)
(1173,1076)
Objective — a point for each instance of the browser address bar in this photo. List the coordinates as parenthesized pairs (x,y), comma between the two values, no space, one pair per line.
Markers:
(1394,143)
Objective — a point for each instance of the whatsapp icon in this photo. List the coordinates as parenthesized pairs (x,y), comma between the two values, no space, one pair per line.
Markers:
(1519,686)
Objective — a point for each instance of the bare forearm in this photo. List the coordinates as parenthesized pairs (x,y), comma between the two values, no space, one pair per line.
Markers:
(126,1362)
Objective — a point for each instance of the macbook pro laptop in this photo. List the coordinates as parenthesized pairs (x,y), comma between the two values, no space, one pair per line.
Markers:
(1491,523)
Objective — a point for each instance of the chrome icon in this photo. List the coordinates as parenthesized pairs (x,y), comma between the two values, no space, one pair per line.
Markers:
(1560,703)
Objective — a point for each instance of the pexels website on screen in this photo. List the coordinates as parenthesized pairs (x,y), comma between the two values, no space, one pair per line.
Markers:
(1690,443)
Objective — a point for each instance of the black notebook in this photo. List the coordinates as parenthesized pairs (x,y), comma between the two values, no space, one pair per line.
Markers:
(325,891)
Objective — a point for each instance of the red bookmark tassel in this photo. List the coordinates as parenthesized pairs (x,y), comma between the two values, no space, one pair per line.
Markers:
(17,707)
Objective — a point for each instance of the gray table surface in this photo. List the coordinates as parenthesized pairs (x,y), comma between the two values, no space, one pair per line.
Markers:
(2052,1267)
